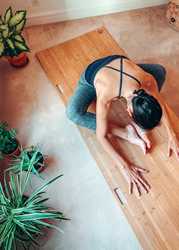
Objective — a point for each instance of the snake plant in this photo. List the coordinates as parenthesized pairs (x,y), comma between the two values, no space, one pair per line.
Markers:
(8,143)
(21,217)
(11,41)
(29,156)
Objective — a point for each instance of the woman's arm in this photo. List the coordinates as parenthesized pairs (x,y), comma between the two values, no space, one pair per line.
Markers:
(132,172)
(173,143)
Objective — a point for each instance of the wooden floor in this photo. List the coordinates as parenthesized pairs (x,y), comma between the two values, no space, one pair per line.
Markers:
(154,217)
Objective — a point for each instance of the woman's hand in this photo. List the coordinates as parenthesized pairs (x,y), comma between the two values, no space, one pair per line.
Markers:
(173,144)
(134,178)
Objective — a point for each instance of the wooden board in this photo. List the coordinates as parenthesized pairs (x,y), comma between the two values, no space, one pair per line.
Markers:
(154,217)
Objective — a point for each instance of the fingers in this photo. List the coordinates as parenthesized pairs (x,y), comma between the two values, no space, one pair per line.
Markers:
(142,183)
(136,180)
(141,169)
(130,187)
(168,151)
(148,144)
(177,155)
(175,150)
(146,140)
(137,188)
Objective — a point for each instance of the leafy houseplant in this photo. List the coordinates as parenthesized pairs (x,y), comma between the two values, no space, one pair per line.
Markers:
(12,44)
(8,143)
(29,156)
(21,217)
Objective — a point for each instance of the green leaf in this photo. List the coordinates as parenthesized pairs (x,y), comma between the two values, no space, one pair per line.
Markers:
(27,226)
(8,15)
(30,237)
(2,194)
(35,216)
(19,38)
(17,18)
(11,34)
(25,209)
(37,173)
(10,44)
(21,25)
(5,205)
(2,51)
(18,236)
(0,152)
(3,26)
(48,225)
(11,168)
(5,31)
(42,201)
(7,230)
(26,178)
(12,47)
(7,192)
(40,189)
(15,244)
(13,189)
(34,199)
(1,21)
(10,238)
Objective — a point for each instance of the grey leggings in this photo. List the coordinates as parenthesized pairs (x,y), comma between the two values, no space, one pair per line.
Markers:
(85,94)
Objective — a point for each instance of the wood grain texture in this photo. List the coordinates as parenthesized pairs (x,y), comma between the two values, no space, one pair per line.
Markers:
(153,217)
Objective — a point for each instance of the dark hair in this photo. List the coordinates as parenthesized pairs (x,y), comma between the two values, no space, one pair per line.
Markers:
(147,112)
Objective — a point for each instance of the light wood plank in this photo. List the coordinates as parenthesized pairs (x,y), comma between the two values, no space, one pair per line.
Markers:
(153,217)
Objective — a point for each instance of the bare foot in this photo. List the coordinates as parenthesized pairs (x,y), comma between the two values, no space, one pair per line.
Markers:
(133,138)
(142,134)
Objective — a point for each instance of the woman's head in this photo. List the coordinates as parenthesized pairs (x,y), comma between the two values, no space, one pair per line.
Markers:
(147,112)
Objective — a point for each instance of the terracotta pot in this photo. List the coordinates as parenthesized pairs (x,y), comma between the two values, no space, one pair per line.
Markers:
(18,61)
(16,152)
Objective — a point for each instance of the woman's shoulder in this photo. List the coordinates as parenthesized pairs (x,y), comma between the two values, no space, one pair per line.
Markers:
(106,85)
(149,84)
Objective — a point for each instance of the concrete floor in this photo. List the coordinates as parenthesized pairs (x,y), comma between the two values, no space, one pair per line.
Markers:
(30,103)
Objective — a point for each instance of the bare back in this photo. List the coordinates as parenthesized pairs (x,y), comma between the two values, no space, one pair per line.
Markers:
(107,80)
(107,83)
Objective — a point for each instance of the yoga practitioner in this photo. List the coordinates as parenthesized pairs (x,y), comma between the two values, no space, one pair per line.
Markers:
(111,78)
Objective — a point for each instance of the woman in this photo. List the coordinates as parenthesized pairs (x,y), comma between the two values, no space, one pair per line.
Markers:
(108,79)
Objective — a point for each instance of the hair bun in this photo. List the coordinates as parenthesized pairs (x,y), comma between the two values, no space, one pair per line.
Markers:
(140,92)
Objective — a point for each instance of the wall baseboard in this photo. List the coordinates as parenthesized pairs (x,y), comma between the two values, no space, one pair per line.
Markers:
(88,11)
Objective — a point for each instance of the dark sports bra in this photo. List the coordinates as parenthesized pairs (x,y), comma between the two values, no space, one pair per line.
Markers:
(94,67)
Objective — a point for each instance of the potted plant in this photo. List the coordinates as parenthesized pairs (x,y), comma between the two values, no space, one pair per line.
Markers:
(9,144)
(29,156)
(12,44)
(21,216)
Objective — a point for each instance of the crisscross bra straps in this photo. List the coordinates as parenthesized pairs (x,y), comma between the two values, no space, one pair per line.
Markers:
(122,72)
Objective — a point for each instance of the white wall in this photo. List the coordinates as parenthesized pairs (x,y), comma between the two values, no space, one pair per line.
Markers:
(49,11)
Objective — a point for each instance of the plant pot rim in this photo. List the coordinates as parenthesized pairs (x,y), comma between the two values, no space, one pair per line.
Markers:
(19,61)
(22,66)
